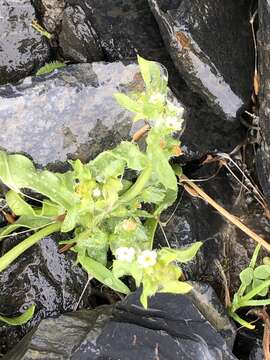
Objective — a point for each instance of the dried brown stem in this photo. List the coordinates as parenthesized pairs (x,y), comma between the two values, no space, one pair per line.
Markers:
(197,191)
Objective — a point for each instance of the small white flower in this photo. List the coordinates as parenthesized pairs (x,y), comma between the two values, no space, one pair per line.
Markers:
(173,108)
(96,192)
(147,258)
(157,97)
(125,254)
(174,122)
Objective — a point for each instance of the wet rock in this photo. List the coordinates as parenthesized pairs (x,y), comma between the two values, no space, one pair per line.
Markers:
(173,327)
(22,49)
(263,154)
(70,113)
(58,339)
(211,45)
(51,12)
(78,39)
(124,27)
(248,344)
(42,276)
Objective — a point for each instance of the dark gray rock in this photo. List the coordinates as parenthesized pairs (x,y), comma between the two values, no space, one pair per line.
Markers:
(173,327)
(248,344)
(263,154)
(22,49)
(211,45)
(68,113)
(42,276)
(59,338)
(257,352)
(125,28)
(51,12)
(78,39)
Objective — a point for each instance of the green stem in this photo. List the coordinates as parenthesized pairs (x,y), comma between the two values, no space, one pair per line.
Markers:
(17,250)
(151,226)
(254,256)
(241,321)
(138,187)
(254,292)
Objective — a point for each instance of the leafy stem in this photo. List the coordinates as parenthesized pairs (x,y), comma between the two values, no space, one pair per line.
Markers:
(138,186)
(17,250)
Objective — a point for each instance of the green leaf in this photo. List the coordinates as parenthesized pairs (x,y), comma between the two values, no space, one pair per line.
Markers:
(153,195)
(19,320)
(50,67)
(102,274)
(149,289)
(145,70)
(18,205)
(246,276)
(50,209)
(262,272)
(95,243)
(70,220)
(15,170)
(176,287)
(182,255)
(127,103)
(107,165)
(122,268)
(153,77)
(27,222)
(258,282)
(132,155)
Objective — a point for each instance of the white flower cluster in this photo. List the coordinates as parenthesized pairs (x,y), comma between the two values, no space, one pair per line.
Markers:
(145,259)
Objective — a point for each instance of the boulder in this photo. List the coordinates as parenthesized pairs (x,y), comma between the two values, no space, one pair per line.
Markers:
(23,50)
(174,326)
(211,45)
(78,39)
(124,27)
(70,113)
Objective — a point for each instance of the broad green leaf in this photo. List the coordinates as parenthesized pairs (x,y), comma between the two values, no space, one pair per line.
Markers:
(53,186)
(110,190)
(122,268)
(27,222)
(258,282)
(19,320)
(153,195)
(18,205)
(153,75)
(50,209)
(145,70)
(131,153)
(127,103)
(107,165)
(262,272)
(149,289)
(15,170)
(95,243)
(70,220)
(102,274)
(176,287)
(246,276)
(81,171)
(182,255)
